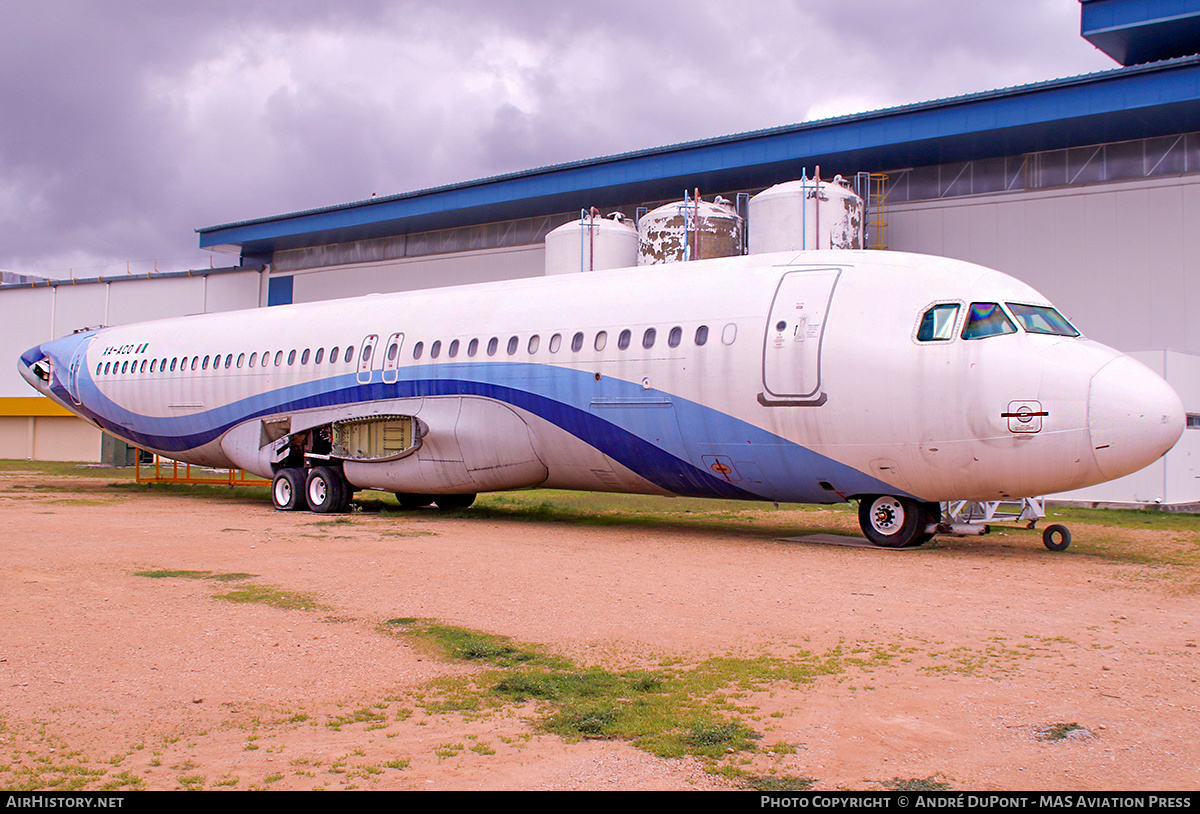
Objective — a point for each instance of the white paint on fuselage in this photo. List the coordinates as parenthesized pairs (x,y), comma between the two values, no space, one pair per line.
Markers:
(924,418)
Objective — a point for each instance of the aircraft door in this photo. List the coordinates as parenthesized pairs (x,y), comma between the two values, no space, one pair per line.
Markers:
(391,358)
(794,331)
(366,360)
(78,360)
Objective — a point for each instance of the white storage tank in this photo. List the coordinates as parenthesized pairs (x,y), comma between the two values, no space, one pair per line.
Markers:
(692,229)
(592,244)
(807,214)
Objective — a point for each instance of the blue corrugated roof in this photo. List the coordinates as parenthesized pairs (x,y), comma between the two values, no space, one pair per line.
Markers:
(1124,103)
(1137,31)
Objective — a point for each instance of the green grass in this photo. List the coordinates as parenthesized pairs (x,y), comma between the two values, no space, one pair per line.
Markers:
(672,710)
(274,597)
(915,784)
(255,594)
(168,574)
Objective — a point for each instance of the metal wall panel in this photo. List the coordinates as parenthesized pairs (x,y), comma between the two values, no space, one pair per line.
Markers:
(410,274)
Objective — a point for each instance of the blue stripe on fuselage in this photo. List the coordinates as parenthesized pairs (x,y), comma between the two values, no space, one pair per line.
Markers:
(764,466)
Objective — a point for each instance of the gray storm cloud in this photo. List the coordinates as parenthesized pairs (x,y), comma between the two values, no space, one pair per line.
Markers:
(126,125)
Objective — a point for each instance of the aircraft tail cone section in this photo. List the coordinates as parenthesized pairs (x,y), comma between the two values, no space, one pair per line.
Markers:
(1134,417)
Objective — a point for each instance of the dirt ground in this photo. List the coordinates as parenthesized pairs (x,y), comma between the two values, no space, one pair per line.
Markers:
(110,679)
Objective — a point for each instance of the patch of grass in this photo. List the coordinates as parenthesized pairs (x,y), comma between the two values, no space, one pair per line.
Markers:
(673,711)
(930,783)
(176,574)
(774,782)
(1063,731)
(464,644)
(274,597)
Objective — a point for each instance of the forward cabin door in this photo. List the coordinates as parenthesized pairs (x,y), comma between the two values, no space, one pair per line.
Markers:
(73,370)
(794,332)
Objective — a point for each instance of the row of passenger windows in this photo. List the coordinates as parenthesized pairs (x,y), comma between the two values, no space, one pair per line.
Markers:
(453,349)
(985,319)
(218,362)
(533,345)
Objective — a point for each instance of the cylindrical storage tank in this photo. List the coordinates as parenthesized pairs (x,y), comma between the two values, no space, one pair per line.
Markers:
(807,215)
(592,244)
(689,230)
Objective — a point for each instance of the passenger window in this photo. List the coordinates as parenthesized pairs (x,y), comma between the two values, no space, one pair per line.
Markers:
(534,343)
(675,337)
(555,343)
(493,346)
(702,335)
(601,340)
(1042,319)
(435,349)
(316,359)
(729,335)
(648,338)
(473,347)
(513,344)
(278,358)
(174,361)
(577,342)
(291,358)
(937,324)
(241,361)
(986,319)
(304,357)
(452,351)
(125,366)
(418,349)
(333,354)
(143,367)
(623,339)
(349,354)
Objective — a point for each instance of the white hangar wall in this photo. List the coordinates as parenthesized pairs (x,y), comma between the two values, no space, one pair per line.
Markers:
(31,427)
(412,273)
(1121,260)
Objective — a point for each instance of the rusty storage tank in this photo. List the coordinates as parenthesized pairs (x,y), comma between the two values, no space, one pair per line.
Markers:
(592,243)
(807,214)
(692,229)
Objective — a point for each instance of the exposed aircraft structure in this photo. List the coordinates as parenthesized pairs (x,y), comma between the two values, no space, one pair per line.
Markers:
(815,377)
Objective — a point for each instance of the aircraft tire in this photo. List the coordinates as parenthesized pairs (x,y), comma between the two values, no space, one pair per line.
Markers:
(287,490)
(326,490)
(893,522)
(408,500)
(449,503)
(1056,537)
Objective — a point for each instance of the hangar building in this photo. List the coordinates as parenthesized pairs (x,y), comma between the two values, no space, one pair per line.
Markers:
(1087,188)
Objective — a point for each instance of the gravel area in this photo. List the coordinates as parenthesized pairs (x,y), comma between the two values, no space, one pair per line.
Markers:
(121,680)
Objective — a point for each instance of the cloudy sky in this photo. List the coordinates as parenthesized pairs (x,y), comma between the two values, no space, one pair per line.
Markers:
(127,124)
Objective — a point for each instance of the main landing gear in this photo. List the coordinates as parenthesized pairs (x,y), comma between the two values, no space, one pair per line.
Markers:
(322,489)
(898,522)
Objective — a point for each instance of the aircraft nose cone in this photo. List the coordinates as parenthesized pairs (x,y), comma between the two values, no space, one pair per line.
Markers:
(1133,415)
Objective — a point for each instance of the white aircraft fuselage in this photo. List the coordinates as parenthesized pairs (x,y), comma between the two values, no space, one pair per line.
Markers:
(810,377)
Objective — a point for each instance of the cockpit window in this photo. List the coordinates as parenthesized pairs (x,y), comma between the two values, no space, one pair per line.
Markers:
(1042,319)
(937,324)
(986,319)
